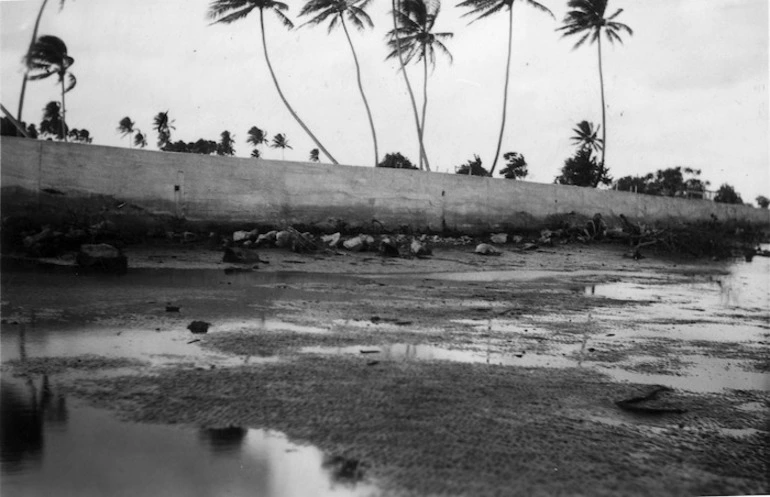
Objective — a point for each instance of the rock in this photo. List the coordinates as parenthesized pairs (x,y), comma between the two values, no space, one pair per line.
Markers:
(189,236)
(240,236)
(355,244)
(517,239)
(198,327)
(419,249)
(267,239)
(486,249)
(32,240)
(172,308)
(283,239)
(499,238)
(368,240)
(102,257)
(240,255)
(529,246)
(388,247)
(331,240)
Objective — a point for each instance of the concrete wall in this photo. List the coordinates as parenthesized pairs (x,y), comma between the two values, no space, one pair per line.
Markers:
(210,188)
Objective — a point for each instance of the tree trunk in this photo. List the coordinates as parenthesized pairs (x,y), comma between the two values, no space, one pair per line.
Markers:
(26,71)
(604,116)
(424,92)
(361,89)
(63,111)
(505,90)
(280,93)
(423,155)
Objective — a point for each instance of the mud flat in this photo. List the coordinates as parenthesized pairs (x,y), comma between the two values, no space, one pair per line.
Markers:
(451,375)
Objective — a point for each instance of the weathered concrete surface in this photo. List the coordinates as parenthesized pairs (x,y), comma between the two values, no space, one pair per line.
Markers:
(207,188)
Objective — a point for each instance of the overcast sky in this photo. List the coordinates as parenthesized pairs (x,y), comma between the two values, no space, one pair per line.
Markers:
(690,88)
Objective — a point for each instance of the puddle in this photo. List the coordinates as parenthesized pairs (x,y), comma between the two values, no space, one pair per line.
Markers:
(727,332)
(52,446)
(697,374)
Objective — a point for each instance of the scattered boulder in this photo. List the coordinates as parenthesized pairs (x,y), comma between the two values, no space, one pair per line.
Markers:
(355,244)
(283,239)
(419,249)
(240,236)
(199,327)
(529,246)
(240,255)
(102,257)
(517,239)
(499,238)
(267,238)
(388,247)
(332,240)
(486,249)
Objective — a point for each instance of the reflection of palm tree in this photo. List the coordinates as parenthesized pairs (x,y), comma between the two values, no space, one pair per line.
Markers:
(229,11)
(46,57)
(416,19)
(587,18)
(485,8)
(337,9)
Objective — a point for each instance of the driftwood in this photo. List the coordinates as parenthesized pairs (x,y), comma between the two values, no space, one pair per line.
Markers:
(635,404)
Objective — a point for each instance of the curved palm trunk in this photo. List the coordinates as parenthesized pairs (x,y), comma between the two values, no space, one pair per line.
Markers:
(280,93)
(423,155)
(505,90)
(424,94)
(26,72)
(604,116)
(361,89)
(63,111)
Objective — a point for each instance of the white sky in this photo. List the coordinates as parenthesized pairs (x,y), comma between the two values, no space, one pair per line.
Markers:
(690,88)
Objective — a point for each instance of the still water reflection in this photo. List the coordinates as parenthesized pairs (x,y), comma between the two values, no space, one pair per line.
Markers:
(54,447)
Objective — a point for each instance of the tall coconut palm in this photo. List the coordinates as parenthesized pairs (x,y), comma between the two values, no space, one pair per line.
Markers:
(587,18)
(337,10)
(486,8)
(229,11)
(256,138)
(48,56)
(31,44)
(126,127)
(586,136)
(52,123)
(280,141)
(163,125)
(416,19)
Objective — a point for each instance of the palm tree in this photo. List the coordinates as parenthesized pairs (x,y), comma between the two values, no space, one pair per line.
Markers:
(140,139)
(126,127)
(225,145)
(397,39)
(485,8)
(337,9)
(256,137)
(587,18)
(163,126)
(52,123)
(229,11)
(586,136)
(314,155)
(48,56)
(280,141)
(31,44)
(415,38)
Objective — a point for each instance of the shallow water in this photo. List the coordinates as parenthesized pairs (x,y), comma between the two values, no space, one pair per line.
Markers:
(54,446)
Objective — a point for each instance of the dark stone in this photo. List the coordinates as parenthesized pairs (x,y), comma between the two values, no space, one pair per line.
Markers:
(199,327)
(102,257)
(240,255)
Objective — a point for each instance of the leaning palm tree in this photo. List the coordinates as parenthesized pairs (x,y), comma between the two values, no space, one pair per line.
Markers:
(485,8)
(256,138)
(31,44)
(587,18)
(280,141)
(126,127)
(140,139)
(229,11)
(163,125)
(397,39)
(48,56)
(337,10)
(416,39)
(586,136)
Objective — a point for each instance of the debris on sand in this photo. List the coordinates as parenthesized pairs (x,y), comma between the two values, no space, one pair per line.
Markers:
(199,327)
(486,249)
(650,403)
